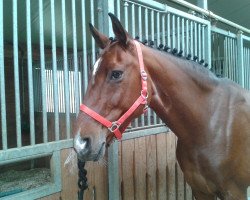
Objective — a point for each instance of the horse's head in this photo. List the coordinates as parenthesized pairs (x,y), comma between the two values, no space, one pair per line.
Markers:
(115,85)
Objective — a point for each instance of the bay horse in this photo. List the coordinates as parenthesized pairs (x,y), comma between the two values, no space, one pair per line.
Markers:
(210,116)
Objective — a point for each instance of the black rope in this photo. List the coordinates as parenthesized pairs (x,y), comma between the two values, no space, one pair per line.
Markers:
(82,179)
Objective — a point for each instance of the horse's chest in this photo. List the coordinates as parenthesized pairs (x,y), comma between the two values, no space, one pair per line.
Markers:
(197,169)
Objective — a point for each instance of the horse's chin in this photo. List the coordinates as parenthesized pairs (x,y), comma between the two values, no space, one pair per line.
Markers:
(100,153)
(93,156)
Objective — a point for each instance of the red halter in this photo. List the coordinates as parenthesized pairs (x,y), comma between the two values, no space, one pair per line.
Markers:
(142,99)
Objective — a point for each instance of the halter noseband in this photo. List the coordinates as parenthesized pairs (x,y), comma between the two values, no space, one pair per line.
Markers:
(142,99)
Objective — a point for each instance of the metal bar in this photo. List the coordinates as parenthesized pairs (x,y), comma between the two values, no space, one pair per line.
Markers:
(230,67)
(151,4)
(173,32)
(152,25)
(76,70)
(133,35)
(35,193)
(226,56)
(146,37)
(146,23)
(234,60)
(158,39)
(223,32)
(248,68)
(186,15)
(195,40)
(113,169)
(240,63)
(118,14)
(191,38)
(150,112)
(208,48)
(168,30)
(187,36)
(140,22)
(211,15)
(203,42)
(66,73)
(93,49)
(43,80)
(183,36)
(202,4)
(199,42)
(126,14)
(153,130)
(133,20)
(30,75)
(24,153)
(16,75)
(163,29)
(2,82)
(54,65)
(84,47)
(178,36)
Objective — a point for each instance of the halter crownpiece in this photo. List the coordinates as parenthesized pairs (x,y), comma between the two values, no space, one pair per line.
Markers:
(114,127)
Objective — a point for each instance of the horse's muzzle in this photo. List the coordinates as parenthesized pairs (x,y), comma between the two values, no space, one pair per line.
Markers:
(82,147)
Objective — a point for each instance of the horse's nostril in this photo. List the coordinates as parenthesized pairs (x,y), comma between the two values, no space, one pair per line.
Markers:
(82,145)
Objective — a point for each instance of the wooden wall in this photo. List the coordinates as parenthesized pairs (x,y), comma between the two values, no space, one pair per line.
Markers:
(148,171)
(97,178)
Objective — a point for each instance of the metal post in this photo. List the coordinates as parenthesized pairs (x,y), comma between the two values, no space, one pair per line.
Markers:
(2,82)
(30,74)
(108,6)
(43,71)
(202,4)
(16,75)
(240,64)
(113,164)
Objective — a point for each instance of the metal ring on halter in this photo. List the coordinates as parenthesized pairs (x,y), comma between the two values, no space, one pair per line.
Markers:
(144,75)
(144,97)
(114,127)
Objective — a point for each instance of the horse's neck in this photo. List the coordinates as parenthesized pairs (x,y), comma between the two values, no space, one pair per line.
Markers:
(178,98)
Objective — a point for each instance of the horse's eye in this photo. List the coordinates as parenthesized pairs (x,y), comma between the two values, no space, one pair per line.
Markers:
(116,75)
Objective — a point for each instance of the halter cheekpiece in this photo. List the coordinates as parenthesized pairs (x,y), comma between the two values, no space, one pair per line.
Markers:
(142,99)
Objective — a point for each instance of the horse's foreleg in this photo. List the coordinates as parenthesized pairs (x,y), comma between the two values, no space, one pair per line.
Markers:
(202,196)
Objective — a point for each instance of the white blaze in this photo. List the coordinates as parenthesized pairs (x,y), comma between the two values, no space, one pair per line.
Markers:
(96,66)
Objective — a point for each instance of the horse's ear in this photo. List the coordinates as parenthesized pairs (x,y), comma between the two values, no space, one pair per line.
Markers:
(120,33)
(100,39)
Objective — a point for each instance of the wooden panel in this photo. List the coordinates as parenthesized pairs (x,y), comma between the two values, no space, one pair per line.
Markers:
(100,180)
(171,160)
(161,183)
(151,167)
(89,193)
(180,184)
(120,170)
(97,179)
(140,168)
(69,178)
(127,170)
(188,192)
(149,170)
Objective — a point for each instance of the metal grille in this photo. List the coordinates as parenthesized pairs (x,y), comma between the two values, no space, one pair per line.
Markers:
(166,26)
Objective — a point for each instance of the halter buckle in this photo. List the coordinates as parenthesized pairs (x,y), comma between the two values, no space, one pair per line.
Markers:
(145,109)
(144,75)
(115,125)
(144,96)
